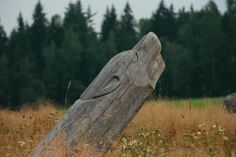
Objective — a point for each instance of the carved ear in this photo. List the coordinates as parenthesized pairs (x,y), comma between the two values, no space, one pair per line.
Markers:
(109,87)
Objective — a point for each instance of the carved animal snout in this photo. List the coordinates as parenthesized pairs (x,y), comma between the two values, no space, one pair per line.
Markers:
(150,64)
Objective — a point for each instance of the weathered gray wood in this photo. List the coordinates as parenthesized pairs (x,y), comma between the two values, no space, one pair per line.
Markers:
(109,103)
(230,102)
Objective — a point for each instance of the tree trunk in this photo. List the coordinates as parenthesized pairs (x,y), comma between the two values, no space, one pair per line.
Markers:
(108,104)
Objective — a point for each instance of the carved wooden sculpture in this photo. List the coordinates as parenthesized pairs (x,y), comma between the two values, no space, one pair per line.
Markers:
(109,103)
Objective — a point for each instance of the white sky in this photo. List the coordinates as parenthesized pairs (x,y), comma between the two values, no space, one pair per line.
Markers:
(9,9)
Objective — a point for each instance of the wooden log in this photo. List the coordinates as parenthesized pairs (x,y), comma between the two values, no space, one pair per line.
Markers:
(109,103)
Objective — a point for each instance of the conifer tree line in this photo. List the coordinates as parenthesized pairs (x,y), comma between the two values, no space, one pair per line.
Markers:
(45,59)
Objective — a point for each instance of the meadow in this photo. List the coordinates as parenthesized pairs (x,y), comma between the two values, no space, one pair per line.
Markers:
(162,128)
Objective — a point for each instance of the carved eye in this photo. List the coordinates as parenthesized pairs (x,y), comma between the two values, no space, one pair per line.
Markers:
(109,87)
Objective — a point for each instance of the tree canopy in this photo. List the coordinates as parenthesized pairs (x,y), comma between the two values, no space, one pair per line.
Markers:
(51,57)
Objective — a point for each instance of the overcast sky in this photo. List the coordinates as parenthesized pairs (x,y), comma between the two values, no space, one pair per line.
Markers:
(9,9)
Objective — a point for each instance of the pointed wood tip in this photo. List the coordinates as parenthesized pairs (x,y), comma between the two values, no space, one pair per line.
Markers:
(147,40)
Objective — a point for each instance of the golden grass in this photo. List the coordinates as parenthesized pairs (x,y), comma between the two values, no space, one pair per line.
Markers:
(20,131)
(160,113)
(159,129)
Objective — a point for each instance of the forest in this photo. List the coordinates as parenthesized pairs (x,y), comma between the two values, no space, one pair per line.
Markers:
(51,58)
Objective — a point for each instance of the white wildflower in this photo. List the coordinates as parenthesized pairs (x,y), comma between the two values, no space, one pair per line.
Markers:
(132,143)
(21,143)
(214,126)
(221,129)
(225,138)
(202,125)
(199,133)
(123,146)
(124,140)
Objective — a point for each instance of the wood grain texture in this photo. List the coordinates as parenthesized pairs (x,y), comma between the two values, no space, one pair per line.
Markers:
(109,103)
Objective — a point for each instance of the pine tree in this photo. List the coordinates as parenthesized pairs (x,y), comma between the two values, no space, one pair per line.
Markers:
(4,79)
(109,24)
(228,58)
(231,6)
(202,36)
(20,69)
(68,61)
(38,37)
(56,31)
(50,53)
(4,93)
(75,20)
(91,53)
(183,17)
(109,34)
(3,40)
(127,33)
(163,22)
(144,26)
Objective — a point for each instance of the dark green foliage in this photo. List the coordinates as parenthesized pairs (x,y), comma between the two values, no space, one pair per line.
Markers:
(40,61)
(109,35)
(3,40)
(76,20)
(163,22)
(56,30)
(110,24)
(38,37)
(4,92)
(229,47)
(204,35)
(127,33)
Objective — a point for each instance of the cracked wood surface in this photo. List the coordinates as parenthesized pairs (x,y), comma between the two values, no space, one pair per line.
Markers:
(109,103)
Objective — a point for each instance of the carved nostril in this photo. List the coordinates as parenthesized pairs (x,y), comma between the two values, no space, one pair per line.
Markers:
(135,57)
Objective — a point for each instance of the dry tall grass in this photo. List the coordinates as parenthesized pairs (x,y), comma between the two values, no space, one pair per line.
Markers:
(159,129)
(20,131)
(181,118)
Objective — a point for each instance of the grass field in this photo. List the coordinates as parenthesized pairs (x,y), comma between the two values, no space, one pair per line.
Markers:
(165,128)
